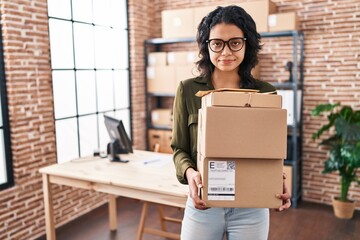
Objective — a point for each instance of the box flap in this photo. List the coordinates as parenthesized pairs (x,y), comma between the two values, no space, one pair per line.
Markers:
(241,99)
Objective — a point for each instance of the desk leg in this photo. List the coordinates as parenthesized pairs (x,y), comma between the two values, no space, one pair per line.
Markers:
(49,210)
(112,213)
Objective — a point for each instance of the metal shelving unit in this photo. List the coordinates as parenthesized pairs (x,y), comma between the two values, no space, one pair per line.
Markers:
(294,130)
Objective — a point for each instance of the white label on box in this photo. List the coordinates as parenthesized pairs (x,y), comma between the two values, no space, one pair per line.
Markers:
(272,20)
(152,60)
(155,116)
(177,22)
(171,57)
(221,180)
(191,57)
(150,72)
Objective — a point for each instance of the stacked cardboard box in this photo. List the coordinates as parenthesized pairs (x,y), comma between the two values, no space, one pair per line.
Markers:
(184,22)
(242,139)
(160,138)
(166,69)
(162,117)
(160,76)
(184,64)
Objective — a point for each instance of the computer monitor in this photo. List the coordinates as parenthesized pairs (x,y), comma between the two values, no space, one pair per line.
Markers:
(120,141)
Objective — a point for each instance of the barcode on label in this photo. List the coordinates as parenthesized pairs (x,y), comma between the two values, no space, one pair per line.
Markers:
(231,165)
(221,189)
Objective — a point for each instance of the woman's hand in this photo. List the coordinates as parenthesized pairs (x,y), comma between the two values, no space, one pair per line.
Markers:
(195,184)
(285,197)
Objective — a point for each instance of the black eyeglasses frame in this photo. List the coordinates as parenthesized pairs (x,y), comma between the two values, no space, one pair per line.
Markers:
(226,43)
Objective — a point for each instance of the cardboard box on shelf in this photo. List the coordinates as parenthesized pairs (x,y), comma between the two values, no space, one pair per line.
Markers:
(182,58)
(161,117)
(183,72)
(237,182)
(200,13)
(161,79)
(283,22)
(162,138)
(166,148)
(259,10)
(157,59)
(178,23)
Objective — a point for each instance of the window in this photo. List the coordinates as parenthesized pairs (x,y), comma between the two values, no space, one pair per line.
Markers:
(90,72)
(6,172)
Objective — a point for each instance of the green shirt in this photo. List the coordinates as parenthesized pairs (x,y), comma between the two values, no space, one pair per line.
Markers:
(186,106)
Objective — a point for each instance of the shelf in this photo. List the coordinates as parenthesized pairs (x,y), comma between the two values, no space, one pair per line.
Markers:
(161,94)
(281,34)
(291,162)
(169,40)
(285,85)
(160,41)
(295,160)
(160,127)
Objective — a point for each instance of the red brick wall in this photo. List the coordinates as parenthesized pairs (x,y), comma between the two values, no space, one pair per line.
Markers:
(29,85)
(331,73)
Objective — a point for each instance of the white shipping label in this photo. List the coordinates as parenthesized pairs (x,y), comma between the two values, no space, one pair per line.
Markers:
(272,20)
(191,57)
(221,180)
(150,72)
(155,116)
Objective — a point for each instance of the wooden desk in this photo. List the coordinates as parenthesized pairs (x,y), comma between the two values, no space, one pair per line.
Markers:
(152,182)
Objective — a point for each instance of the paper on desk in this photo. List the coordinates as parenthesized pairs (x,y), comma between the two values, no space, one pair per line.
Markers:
(156,161)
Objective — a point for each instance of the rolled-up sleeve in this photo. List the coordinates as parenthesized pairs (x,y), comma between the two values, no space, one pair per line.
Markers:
(181,137)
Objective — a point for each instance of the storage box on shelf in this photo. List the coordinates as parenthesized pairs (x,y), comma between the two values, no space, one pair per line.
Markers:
(294,156)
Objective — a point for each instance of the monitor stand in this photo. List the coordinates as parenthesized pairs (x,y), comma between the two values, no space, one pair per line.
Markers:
(114,148)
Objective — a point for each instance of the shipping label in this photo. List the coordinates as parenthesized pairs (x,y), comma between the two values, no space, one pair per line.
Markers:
(221,180)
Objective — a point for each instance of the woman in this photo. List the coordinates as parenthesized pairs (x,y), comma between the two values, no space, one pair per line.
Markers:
(229,44)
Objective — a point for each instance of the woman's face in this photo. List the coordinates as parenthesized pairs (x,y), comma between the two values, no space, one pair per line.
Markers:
(227,59)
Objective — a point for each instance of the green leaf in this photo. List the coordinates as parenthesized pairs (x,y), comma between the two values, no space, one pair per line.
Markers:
(323,108)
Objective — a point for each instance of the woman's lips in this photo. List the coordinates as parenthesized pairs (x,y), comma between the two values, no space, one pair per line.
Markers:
(226,61)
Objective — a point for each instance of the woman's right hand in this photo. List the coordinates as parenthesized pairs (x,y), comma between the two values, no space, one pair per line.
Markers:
(195,184)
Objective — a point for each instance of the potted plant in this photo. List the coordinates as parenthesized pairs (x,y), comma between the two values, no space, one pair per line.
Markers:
(344,150)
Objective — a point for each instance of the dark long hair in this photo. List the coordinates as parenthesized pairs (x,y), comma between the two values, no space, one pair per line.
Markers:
(239,17)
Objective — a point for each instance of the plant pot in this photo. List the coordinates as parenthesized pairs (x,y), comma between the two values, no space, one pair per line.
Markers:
(343,210)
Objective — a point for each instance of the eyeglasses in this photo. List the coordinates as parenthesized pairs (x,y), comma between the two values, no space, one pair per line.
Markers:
(235,44)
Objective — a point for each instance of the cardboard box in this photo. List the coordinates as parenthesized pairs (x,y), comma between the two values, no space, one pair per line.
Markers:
(183,72)
(283,22)
(161,79)
(161,117)
(241,99)
(242,132)
(259,10)
(200,13)
(178,23)
(157,59)
(182,58)
(288,181)
(236,182)
(162,138)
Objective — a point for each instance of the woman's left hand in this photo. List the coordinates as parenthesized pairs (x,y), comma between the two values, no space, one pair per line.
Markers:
(285,197)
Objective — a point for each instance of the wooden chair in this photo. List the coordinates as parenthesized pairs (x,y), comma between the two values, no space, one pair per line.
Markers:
(163,219)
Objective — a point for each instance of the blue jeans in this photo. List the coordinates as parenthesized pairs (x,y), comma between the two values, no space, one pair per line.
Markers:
(213,223)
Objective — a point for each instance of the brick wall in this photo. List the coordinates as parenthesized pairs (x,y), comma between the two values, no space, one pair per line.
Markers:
(29,85)
(331,73)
